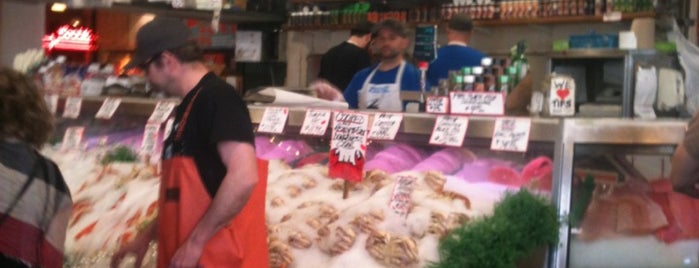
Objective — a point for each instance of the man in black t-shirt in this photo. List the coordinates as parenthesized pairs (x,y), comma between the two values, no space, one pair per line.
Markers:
(341,62)
(209,168)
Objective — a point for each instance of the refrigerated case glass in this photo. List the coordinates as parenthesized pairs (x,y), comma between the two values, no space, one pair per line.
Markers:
(311,224)
(622,210)
(309,221)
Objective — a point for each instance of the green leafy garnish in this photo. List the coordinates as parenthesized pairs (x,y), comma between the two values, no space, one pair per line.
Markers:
(120,154)
(521,223)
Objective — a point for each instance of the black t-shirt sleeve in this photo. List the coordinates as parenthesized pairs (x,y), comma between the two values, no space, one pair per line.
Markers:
(363,60)
(230,118)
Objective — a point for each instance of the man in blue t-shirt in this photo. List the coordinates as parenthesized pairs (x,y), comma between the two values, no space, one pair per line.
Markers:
(379,86)
(456,54)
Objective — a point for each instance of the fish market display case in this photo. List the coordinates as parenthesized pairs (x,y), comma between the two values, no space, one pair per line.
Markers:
(310,224)
(616,194)
(114,187)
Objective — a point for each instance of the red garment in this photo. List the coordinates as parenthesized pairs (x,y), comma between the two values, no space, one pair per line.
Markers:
(184,200)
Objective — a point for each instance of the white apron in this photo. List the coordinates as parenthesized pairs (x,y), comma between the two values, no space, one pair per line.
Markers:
(384,97)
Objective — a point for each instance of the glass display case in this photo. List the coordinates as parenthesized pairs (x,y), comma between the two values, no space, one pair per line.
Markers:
(114,186)
(311,224)
(616,195)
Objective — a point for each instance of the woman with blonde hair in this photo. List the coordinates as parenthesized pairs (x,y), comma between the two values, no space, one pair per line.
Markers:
(35,202)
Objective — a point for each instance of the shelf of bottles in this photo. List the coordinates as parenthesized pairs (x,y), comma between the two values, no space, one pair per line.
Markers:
(311,15)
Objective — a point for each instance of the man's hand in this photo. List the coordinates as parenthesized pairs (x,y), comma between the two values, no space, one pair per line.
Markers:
(326,91)
(187,256)
(138,247)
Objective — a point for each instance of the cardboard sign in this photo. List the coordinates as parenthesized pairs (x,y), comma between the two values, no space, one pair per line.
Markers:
(562,96)
(611,16)
(400,200)
(72,138)
(150,138)
(168,127)
(52,102)
(348,145)
(385,126)
(437,104)
(316,122)
(511,134)
(72,108)
(109,106)
(273,120)
(477,103)
(449,130)
(161,112)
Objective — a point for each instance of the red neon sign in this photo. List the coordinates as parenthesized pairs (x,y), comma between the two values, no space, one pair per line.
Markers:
(69,38)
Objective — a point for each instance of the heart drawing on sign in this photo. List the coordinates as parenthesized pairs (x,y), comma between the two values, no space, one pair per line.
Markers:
(562,93)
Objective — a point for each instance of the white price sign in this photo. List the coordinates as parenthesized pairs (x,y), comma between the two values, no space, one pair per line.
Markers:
(72,138)
(109,106)
(150,138)
(562,96)
(611,16)
(385,126)
(52,102)
(437,105)
(168,127)
(316,122)
(511,134)
(477,103)
(449,130)
(161,112)
(348,143)
(400,200)
(72,109)
(273,120)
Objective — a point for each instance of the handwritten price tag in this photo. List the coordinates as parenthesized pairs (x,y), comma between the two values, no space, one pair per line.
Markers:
(477,103)
(52,102)
(168,128)
(72,138)
(161,112)
(449,130)
(72,109)
(316,122)
(385,126)
(562,96)
(109,106)
(400,200)
(611,16)
(511,134)
(150,138)
(273,120)
(437,105)
(348,145)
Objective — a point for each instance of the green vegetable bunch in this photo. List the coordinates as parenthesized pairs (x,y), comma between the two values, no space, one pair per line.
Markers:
(520,223)
(119,154)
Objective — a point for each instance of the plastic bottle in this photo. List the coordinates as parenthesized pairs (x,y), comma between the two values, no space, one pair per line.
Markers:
(423,84)
(479,85)
(458,84)
(504,84)
(468,82)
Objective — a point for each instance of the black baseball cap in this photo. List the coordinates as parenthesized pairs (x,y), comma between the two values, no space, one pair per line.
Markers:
(461,22)
(156,36)
(392,25)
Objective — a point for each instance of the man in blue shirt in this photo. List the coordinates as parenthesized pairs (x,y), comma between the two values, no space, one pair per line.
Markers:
(456,54)
(379,86)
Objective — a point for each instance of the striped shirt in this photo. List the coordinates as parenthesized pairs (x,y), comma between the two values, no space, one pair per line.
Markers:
(33,231)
